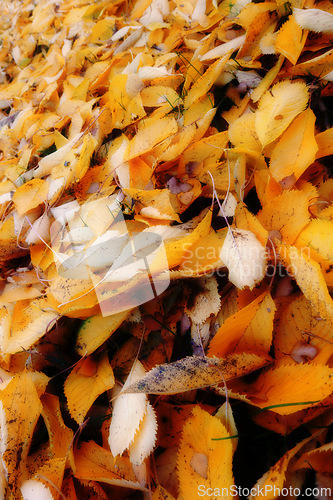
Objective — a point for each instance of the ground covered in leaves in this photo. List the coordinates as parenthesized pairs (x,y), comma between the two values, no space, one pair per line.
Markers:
(166,248)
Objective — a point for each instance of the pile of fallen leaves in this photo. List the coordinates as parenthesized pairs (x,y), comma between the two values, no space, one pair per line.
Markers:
(166,247)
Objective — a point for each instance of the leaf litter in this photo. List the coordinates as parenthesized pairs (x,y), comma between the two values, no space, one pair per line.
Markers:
(165,246)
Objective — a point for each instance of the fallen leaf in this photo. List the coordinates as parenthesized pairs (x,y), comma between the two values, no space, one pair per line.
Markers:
(314,19)
(245,258)
(288,388)
(30,195)
(204,456)
(128,413)
(250,329)
(277,108)
(310,279)
(296,149)
(81,390)
(194,372)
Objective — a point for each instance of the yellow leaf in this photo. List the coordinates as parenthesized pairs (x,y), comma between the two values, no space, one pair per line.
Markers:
(152,133)
(300,334)
(82,389)
(49,162)
(87,150)
(204,255)
(206,81)
(287,213)
(278,107)
(204,457)
(250,329)
(211,146)
(316,66)
(273,480)
(325,143)
(73,297)
(290,40)
(296,149)
(318,237)
(244,219)
(225,414)
(310,279)
(222,178)
(268,79)
(176,251)
(96,330)
(289,388)
(177,144)
(30,321)
(60,436)
(157,95)
(20,409)
(200,108)
(30,195)
(242,133)
(48,471)
(162,494)
(319,459)
(102,30)
(156,203)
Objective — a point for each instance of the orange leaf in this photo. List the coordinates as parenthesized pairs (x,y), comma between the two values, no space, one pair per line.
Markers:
(290,40)
(250,329)
(288,388)
(94,463)
(30,195)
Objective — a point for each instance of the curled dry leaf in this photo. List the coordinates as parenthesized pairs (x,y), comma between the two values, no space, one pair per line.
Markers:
(194,372)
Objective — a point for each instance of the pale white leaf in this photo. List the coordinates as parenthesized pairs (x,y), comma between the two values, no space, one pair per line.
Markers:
(206,302)
(128,412)
(244,257)
(33,490)
(223,49)
(316,20)
(145,438)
